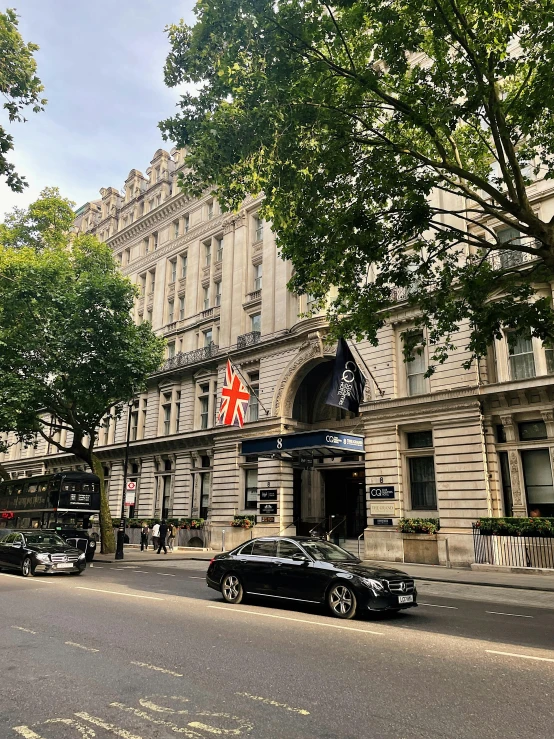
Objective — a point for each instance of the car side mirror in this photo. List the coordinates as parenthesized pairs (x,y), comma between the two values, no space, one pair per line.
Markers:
(300,558)
(16,545)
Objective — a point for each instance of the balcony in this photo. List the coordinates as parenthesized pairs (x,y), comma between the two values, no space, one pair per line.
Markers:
(248,339)
(252,297)
(508,259)
(197,355)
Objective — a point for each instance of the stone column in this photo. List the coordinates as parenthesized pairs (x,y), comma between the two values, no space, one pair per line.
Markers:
(516,475)
(147,487)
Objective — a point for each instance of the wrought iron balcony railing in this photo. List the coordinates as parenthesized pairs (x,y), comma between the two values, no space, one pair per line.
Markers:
(248,339)
(196,355)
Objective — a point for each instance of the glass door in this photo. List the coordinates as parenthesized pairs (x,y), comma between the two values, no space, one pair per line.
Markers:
(537,473)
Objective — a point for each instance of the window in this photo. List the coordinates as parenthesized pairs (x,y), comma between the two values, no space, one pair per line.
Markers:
(170,312)
(208,337)
(149,316)
(415,370)
(210,210)
(204,411)
(171,350)
(207,254)
(158,200)
(178,412)
(172,270)
(156,175)
(187,223)
(251,489)
(509,258)
(532,430)
(549,356)
(205,488)
(253,404)
(258,229)
(310,302)
(247,549)
(175,229)
(167,413)
(142,284)
(134,425)
(287,549)
(264,548)
(419,439)
(181,307)
(152,277)
(258,277)
(183,266)
(218,293)
(145,246)
(256,322)
(206,298)
(500,433)
(218,250)
(155,240)
(522,359)
(422,483)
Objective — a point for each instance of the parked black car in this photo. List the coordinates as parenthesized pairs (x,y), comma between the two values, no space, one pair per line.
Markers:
(35,551)
(309,570)
(78,538)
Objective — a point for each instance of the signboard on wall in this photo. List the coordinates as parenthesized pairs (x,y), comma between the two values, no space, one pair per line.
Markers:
(382,509)
(266,519)
(381,492)
(268,509)
(382,521)
(268,494)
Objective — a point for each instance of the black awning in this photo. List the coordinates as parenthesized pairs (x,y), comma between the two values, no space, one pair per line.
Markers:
(305,446)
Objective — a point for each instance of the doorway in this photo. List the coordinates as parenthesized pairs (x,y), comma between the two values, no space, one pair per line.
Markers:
(345,498)
(537,473)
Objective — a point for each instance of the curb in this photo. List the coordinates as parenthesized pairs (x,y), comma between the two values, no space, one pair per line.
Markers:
(510,586)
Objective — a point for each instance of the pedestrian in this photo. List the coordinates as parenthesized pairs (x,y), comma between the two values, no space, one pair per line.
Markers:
(144,536)
(162,534)
(155,535)
(172,530)
(535,512)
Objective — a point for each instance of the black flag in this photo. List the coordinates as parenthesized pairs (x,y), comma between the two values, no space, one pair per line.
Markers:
(347,385)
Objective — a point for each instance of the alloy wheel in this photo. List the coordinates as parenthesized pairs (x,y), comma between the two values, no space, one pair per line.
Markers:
(231,589)
(342,601)
(26,567)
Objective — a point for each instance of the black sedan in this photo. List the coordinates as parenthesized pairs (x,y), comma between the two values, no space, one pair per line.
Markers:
(35,551)
(309,570)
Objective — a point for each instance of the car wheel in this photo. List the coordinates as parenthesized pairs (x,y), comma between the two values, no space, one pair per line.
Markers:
(27,567)
(342,601)
(79,572)
(231,589)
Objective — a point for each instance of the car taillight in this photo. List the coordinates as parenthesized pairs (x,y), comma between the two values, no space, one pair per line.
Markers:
(212,561)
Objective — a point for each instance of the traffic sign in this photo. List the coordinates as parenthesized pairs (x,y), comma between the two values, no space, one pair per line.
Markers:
(131,485)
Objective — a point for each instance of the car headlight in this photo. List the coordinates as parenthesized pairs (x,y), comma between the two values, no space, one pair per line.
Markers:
(43,557)
(375,585)
(82,556)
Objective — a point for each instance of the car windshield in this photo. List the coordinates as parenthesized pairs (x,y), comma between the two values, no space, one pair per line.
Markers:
(324,550)
(44,539)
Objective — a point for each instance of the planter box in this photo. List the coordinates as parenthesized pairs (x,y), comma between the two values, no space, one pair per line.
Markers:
(421,549)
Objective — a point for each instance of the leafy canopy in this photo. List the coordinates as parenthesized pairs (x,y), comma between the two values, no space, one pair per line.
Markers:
(393,141)
(19,86)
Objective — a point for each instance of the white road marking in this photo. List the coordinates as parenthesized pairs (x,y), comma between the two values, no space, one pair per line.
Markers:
(104,725)
(157,669)
(521,656)
(143,572)
(116,592)
(299,620)
(434,605)
(20,628)
(500,613)
(269,702)
(80,646)
(27,580)
(165,574)
(196,577)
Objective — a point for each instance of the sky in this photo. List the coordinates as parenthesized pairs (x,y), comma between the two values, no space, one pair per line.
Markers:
(101,64)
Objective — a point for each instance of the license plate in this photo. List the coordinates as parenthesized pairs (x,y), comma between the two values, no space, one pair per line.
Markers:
(405,598)
(64,566)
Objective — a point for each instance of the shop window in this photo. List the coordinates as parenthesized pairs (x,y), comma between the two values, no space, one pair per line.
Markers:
(422,483)
(532,430)
(251,489)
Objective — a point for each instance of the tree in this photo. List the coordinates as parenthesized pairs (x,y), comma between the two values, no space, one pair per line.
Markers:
(70,355)
(20,87)
(394,143)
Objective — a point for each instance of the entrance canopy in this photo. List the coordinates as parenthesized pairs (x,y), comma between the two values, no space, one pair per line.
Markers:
(305,447)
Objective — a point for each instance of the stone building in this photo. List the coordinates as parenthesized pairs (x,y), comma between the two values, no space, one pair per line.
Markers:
(456,446)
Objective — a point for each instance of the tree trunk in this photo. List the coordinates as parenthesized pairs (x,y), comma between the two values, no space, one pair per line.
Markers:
(106,526)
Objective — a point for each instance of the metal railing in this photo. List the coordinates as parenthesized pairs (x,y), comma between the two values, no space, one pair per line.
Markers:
(197,355)
(320,526)
(249,339)
(335,528)
(513,551)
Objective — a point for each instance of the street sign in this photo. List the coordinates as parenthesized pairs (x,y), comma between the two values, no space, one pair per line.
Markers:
(382,521)
(268,509)
(380,492)
(268,494)
(131,485)
(130,498)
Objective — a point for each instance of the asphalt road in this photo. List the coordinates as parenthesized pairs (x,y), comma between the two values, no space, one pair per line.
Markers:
(147,651)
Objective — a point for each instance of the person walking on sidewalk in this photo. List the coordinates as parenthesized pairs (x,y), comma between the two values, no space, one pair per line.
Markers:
(162,534)
(144,536)
(155,535)
(172,534)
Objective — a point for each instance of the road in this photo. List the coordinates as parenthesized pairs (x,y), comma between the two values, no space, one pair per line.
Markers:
(146,651)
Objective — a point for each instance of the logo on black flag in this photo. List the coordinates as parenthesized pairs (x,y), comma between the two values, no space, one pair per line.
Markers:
(347,385)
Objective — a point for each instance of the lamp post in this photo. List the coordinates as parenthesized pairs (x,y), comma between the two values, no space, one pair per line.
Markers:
(121,530)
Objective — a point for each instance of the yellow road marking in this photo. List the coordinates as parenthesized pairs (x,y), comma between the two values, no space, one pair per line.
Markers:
(20,628)
(158,669)
(269,702)
(80,646)
(116,592)
(521,656)
(103,725)
(299,620)
(26,732)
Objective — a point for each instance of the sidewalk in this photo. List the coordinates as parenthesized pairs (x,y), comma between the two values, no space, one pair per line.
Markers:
(133,554)
(435,573)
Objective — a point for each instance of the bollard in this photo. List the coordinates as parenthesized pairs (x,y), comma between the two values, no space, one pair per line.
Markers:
(222,540)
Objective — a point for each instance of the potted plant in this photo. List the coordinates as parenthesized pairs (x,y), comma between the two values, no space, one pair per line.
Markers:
(419,540)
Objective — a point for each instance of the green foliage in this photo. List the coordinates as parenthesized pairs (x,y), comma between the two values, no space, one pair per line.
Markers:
(516,526)
(419,525)
(70,353)
(244,522)
(20,88)
(347,116)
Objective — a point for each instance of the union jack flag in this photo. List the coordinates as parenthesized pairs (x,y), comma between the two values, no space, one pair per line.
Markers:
(234,399)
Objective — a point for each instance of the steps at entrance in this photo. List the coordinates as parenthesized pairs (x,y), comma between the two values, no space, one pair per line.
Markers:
(351,545)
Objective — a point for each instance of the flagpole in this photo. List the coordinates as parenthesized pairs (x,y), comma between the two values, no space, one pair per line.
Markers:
(248,385)
(381,392)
